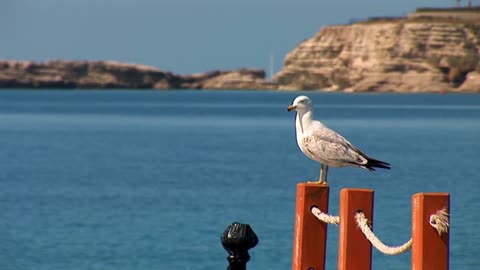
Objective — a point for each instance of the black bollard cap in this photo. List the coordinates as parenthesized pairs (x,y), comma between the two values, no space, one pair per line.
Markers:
(239,238)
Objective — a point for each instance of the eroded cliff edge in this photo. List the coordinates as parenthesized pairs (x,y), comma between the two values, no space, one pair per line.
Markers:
(415,54)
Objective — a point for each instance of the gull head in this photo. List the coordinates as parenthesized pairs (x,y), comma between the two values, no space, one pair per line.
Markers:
(301,104)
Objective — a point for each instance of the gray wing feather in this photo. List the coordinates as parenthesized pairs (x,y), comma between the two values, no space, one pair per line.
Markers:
(324,143)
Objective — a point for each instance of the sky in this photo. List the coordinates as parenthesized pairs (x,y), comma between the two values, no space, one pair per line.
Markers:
(182,36)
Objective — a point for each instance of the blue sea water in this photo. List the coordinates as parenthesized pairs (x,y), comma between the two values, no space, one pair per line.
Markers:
(136,180)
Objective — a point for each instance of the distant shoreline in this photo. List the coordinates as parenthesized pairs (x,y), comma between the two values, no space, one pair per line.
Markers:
(431,50)
(118,75)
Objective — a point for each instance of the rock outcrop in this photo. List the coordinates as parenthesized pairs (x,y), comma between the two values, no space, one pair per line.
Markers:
(81,74)
(233,79)
(396,55)
(110,74)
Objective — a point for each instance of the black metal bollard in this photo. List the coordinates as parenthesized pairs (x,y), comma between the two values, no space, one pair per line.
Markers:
(237,239)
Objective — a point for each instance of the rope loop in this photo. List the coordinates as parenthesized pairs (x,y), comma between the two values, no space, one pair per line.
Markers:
(329,219)
(362,223)
(440,221)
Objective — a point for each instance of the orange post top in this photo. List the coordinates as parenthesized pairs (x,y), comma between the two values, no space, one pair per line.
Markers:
(310,234)
(430,251)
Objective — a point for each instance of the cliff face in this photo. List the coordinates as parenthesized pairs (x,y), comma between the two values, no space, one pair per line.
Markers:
(109,74)
(395,55)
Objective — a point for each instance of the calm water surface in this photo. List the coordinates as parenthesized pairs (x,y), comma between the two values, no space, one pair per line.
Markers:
(124,180)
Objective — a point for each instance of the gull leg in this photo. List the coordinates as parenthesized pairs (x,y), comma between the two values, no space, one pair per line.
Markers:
(320,178)
(326,174)
(323,174)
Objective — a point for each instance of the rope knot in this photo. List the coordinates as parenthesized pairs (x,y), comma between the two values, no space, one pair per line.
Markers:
(440,221)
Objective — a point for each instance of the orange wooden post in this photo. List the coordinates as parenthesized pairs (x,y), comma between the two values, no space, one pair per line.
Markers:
(354,249)
(310,234)
(429,250)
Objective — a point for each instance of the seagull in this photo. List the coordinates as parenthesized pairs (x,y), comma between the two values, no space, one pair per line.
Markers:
(326,146)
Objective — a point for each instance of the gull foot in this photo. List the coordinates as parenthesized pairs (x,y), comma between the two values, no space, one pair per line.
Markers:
(318,182)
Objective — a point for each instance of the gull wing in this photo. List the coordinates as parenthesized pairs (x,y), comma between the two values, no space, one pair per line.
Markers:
(325,144)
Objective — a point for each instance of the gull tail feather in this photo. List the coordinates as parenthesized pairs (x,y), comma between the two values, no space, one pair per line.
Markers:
(374,163)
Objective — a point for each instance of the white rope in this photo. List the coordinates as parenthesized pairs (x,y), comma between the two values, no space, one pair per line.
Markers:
(329,219)
(440,221)
(362,223)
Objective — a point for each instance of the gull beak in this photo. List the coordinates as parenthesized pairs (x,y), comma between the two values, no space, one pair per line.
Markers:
(291,107)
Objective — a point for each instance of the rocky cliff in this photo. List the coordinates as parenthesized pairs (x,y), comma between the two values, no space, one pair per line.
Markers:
(398,55)
(109,74)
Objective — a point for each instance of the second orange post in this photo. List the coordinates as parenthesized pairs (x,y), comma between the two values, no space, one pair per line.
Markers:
(354,249)
(310,234)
